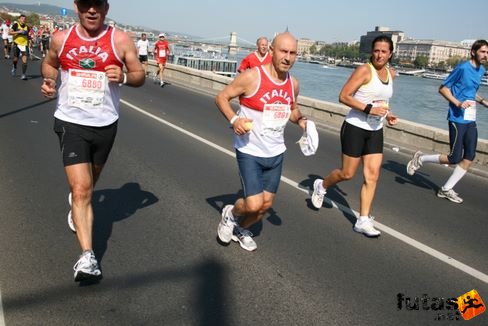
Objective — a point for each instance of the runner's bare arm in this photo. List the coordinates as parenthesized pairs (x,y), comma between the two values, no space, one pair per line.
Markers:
(50,65)
(243,84)
(359,77)
(296,116)
(127,51)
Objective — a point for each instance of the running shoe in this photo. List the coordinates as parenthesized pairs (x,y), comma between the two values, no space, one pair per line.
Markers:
(450,195)
(86,268)
(161,83)
(414,164)
(12,72)
(317,195)
(226,225)
(244,237)
(71,224)
(366,227)
(24,77)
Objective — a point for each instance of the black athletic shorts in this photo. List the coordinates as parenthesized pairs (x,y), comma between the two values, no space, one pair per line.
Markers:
(357,142)
(143,58)
(84,144)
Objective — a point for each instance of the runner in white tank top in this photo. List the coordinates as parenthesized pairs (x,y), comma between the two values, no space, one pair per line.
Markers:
(91,57)
(367,93)
(267,95)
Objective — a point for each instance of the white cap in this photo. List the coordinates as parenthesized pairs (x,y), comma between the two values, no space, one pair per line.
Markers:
(309,142)
(162,35)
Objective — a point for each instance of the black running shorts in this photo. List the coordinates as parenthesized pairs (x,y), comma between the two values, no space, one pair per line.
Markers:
(84,144)
(357,142)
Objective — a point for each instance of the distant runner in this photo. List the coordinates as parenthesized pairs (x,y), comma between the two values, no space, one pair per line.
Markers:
(161,53)
(142,49)
(7,44)
(259,57)
(20,33)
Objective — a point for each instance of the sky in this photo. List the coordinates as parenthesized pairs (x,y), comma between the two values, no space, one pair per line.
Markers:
(321,20)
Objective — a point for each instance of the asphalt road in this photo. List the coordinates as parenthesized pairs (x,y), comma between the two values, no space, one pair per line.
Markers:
(157,206)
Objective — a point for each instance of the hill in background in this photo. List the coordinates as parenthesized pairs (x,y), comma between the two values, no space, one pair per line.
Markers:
(43,9)
(50,10)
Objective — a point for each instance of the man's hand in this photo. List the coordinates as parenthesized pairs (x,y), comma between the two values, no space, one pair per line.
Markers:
(48,87)
(114,74)
(242,126)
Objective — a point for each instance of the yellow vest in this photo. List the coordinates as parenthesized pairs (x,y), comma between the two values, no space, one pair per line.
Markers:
(21,39)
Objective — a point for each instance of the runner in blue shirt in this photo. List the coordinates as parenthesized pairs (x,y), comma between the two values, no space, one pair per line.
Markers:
(460,90)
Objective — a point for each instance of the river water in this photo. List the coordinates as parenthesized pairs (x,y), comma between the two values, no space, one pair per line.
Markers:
(414,98)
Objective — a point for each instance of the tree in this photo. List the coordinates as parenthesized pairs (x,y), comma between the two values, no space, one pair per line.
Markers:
(441,65)
(340,51)
(32,20)
(421,61)
(454,60)
(313,49)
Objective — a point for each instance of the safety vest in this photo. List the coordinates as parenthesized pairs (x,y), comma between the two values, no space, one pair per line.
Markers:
(21,39)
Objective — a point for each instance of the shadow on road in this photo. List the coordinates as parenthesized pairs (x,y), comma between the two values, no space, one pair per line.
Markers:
(113,205)
(419,179)
(209,301)
(3,115)
(218,203)
(335,195)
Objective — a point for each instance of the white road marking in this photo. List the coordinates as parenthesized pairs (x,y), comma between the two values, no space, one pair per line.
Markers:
(2,319)
(400,236)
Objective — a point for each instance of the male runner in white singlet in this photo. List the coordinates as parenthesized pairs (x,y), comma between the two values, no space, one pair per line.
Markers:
(90,57)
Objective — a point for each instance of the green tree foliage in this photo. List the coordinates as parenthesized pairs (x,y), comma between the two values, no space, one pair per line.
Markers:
(421,61)
(454,60)
(340,51)
(313,49)
(32,19)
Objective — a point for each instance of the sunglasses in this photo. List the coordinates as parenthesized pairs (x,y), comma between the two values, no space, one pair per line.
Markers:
(91,3)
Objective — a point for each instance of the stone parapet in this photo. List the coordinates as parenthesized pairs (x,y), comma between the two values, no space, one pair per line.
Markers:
(406,134)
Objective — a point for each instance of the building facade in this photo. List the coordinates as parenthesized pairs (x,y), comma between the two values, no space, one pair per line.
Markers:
(435,51)
(366,40)
(304,45)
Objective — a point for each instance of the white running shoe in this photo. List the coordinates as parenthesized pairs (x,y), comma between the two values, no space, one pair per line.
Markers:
(23,77)
(317,195)
(367,228)
(450,195)
(244,237)
(226,225)
(414,164)
(71,224)
(86,268)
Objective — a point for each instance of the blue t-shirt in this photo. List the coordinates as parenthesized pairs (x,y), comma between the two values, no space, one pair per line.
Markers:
(463,82)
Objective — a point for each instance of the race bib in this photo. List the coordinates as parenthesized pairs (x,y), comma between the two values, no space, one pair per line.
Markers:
(86,88)
(21,48)
(470,112)
(162,53)
(275,117)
